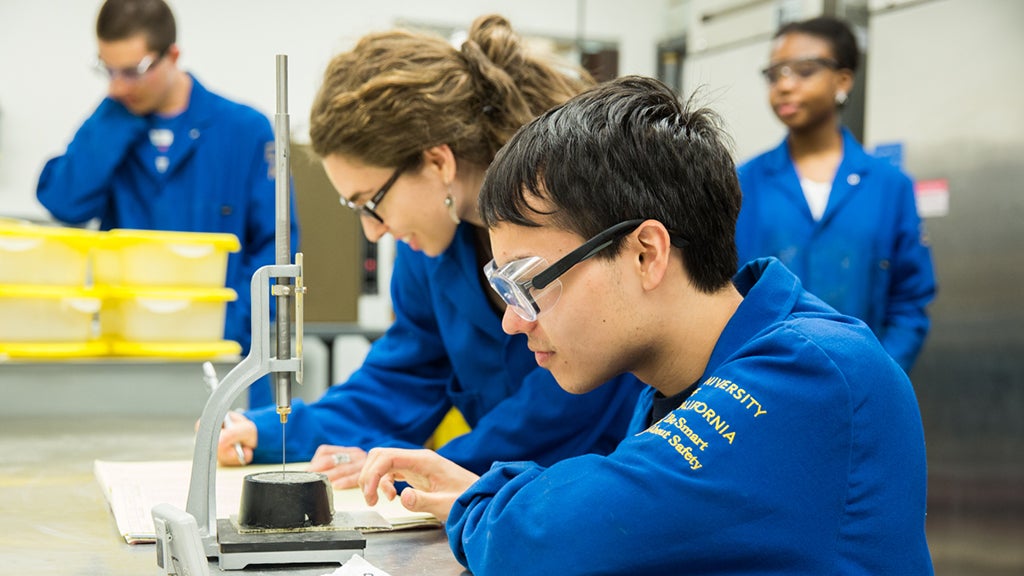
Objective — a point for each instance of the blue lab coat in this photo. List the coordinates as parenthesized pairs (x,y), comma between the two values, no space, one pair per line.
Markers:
(799,451)
(446,348)
(867,257)
(219,179)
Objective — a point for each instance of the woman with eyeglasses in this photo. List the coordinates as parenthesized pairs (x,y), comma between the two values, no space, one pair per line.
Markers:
(406,125)
(845,222)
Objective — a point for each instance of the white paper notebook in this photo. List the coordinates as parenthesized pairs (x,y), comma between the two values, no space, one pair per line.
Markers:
(133,488)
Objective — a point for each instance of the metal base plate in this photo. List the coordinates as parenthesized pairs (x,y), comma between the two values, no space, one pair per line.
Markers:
(288,547)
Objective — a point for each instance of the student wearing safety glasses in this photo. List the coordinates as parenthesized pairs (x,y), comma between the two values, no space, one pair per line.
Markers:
(161,152)
(777,436)
(844,222)
(406,124)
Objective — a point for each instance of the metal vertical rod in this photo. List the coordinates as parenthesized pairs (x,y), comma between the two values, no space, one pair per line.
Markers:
(282,179)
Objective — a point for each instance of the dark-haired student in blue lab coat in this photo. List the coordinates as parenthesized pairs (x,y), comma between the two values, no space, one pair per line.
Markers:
(777,437)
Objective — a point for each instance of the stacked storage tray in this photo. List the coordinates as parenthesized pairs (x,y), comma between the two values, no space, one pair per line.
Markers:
(47,308)
(67,293)
(164,293)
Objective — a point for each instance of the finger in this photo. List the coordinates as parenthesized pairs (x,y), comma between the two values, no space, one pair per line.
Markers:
(387,486)
(222,458)
(343,458)
(369,483)
(411,499)
(321,463)
(375,485)
(227,456)
(228,436)
(237,417)
(346,481)
(370,493)
(437,503)
(337,473)
(373,469)
(382,467)
(327,457)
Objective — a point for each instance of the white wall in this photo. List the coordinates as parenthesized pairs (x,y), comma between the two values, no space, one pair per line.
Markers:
(47,47)
(730,82)
(728,43)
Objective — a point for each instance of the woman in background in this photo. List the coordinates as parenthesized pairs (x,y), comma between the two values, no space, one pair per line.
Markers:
(406,126)
(844,222)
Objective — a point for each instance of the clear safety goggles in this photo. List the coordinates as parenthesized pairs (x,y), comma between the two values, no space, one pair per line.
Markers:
(798,69)
(514,282)
(129,73)
(530,287)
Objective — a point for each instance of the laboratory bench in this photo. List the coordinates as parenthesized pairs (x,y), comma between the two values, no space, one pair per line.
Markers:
(55,519)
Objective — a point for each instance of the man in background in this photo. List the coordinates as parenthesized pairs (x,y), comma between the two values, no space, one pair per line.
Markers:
(161,152)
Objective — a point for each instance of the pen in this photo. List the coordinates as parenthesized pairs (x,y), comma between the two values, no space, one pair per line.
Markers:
(210,377)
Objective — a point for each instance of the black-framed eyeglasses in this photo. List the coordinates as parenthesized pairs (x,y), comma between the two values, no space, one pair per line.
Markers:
(129,73)
(369,208)
(802,68)
(529,286)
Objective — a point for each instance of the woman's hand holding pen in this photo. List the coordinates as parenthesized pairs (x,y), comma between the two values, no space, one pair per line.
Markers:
(341,464)
(241,432)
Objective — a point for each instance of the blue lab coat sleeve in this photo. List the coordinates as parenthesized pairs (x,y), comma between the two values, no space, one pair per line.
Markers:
(913,286)
(800,451)
(446,348)
(537,423)
(78,185)
(396,398)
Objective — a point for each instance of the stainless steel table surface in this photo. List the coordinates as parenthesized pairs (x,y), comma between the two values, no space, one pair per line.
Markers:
(55,520)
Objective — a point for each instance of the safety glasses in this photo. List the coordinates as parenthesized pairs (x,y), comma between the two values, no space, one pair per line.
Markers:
(800,69)
(529,286)
(130,73)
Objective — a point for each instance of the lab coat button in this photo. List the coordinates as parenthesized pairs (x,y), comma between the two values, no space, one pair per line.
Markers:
(884,264)
(193,133)
(853,179)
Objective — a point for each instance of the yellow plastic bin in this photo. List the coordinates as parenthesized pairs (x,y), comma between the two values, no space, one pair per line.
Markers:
(164,314)
(47,351)
(44,255)
(159,258)
(43,313)
(223,350)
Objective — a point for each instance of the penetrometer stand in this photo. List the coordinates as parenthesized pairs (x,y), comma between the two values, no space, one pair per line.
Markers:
(223,539)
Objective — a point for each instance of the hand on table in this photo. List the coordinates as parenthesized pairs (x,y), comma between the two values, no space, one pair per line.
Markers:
(341,464)
(435,483)
(243,432)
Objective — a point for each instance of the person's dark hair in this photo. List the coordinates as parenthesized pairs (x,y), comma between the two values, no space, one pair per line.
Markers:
(398,93)
(627,149)
(123,19)
(832,30)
